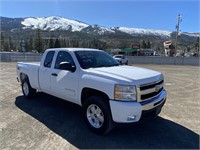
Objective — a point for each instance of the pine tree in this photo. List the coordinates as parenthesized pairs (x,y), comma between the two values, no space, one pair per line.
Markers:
(30,44)
(45,44)
(11,43)
(197,44)
(51,43)
(67,43)
(57,44)
(77,43)
(83,44)
(38,41)
(95,43)
(2,39)
(64,43)
(6,45)
(148,44)
(144,45)
(27,48)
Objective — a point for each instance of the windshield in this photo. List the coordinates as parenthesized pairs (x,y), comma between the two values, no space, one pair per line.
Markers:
(95,59)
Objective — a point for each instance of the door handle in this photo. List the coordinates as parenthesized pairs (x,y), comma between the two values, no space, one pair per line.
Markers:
(54,74)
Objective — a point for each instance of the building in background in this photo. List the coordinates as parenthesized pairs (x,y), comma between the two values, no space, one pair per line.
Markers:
(169,48)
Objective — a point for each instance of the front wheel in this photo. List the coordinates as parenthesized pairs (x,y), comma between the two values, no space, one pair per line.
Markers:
(27,90)
(97,115)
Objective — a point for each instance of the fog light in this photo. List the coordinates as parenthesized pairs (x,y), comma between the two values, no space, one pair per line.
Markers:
(131,118)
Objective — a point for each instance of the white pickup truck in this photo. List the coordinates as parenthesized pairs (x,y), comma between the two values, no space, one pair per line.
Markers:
(108,92)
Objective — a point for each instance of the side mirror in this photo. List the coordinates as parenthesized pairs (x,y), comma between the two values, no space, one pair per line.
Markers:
(67,66)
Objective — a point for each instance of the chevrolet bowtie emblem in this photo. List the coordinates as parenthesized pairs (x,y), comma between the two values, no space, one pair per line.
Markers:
(157,88)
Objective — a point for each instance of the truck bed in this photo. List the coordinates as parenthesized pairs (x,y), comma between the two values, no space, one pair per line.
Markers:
(32,70)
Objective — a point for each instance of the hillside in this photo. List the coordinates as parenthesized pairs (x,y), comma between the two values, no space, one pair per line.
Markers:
(54,27)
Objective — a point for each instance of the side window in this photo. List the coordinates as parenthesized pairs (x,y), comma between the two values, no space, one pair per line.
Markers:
(63,57)
(48,59)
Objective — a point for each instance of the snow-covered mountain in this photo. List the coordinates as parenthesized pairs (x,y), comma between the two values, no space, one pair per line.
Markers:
(54,23)
(96,29)
(136,31)
(58,23)
(191,34)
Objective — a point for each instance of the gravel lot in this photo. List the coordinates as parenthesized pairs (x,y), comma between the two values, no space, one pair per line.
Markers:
(50,123)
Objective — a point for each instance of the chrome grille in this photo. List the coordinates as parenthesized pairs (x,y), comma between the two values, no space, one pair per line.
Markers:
(149,91)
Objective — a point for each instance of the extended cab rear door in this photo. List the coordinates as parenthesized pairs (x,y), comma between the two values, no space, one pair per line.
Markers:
(45,72)
(64,83)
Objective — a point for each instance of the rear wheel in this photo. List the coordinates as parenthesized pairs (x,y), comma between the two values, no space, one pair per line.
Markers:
(97,115)
(27,90)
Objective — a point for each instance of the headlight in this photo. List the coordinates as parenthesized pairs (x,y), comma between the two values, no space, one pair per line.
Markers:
(125,92)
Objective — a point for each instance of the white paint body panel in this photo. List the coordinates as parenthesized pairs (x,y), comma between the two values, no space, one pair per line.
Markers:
(121,110)
(31,69)
(68,85)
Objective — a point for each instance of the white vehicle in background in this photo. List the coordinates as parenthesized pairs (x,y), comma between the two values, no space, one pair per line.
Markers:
(108,93)
(121,59)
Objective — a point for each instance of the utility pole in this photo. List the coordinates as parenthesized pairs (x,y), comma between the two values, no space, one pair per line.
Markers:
(177,32)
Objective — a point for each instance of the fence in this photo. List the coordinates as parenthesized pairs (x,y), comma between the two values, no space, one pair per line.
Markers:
(193,61)
(34,57)
(16,57)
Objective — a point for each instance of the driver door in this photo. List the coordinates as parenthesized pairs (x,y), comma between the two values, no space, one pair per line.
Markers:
(64,83)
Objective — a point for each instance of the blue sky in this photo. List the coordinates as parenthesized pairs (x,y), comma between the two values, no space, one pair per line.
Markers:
(148,14)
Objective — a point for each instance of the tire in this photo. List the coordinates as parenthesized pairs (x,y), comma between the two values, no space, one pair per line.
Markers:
(27,90)
(126,63)
(97,115)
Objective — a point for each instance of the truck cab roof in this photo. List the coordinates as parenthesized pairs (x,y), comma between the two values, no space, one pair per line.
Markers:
(72,49)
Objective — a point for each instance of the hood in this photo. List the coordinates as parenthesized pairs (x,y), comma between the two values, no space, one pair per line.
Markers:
(127,74)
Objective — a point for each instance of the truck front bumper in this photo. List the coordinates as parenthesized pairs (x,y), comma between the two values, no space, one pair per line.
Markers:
(128,112)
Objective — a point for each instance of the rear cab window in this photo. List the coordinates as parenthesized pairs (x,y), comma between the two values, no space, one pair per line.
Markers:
(49,58)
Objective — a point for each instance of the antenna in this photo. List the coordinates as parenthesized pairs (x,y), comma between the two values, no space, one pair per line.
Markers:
(177,31)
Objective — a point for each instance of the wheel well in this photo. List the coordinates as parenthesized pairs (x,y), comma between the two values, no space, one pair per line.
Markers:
(87,92)
(23,76)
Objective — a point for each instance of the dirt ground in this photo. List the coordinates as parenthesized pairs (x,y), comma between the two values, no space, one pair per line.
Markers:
(46,122)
